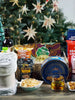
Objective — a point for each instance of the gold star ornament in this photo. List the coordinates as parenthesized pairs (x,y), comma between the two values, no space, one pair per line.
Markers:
(14,2)
(24,9)
(48,22)
(30,32)
(38,7)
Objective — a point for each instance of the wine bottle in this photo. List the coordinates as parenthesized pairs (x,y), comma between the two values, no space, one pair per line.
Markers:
(8,42)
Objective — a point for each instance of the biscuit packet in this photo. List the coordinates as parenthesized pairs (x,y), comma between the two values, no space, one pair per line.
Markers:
(23,51)
(24,68)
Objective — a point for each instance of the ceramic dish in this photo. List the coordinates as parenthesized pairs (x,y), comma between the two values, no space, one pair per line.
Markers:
(30,88)
(71,85)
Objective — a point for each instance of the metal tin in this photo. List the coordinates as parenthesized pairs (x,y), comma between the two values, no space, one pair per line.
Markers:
(52,66)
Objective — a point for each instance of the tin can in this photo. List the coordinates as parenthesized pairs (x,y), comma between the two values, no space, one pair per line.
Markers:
(53,66)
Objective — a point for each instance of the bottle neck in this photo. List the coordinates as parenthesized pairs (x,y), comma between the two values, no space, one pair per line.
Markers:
(6,37)
(7,32)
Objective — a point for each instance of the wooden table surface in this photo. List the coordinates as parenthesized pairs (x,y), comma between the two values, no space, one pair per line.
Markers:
(43,93)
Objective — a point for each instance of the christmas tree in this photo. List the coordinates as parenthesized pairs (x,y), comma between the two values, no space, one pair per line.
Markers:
(33,21)
(2,35)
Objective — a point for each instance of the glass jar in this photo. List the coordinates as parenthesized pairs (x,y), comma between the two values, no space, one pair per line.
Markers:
(57,83)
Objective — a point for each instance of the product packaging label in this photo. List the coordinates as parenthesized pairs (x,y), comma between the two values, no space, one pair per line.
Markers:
(70,53)
(73,63)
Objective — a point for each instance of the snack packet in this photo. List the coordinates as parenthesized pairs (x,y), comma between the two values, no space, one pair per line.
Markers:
(23,52)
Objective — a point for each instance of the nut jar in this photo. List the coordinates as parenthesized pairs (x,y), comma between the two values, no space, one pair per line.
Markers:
(57,83)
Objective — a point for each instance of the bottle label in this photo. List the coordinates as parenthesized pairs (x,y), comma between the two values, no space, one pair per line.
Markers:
(4,49)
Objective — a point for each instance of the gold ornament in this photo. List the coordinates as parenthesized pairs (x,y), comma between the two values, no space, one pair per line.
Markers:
(33,22)
(12,28)
(32,15)
(56,40)
(38,7)
(24,9)
(3,23)
(30,32)
(19,19)
(48,22)
(62,33)
(10,16)
(61,29)
(17,32)
(14,2)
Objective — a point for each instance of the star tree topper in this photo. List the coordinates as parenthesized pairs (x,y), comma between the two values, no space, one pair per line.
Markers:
(30,32)
(38,7)
(48,22)
(14,2)
(24,9)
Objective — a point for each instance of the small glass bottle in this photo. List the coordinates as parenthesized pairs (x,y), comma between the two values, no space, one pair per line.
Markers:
(8,42)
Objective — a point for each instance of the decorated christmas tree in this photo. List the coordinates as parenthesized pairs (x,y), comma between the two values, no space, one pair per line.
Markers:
(33,21)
